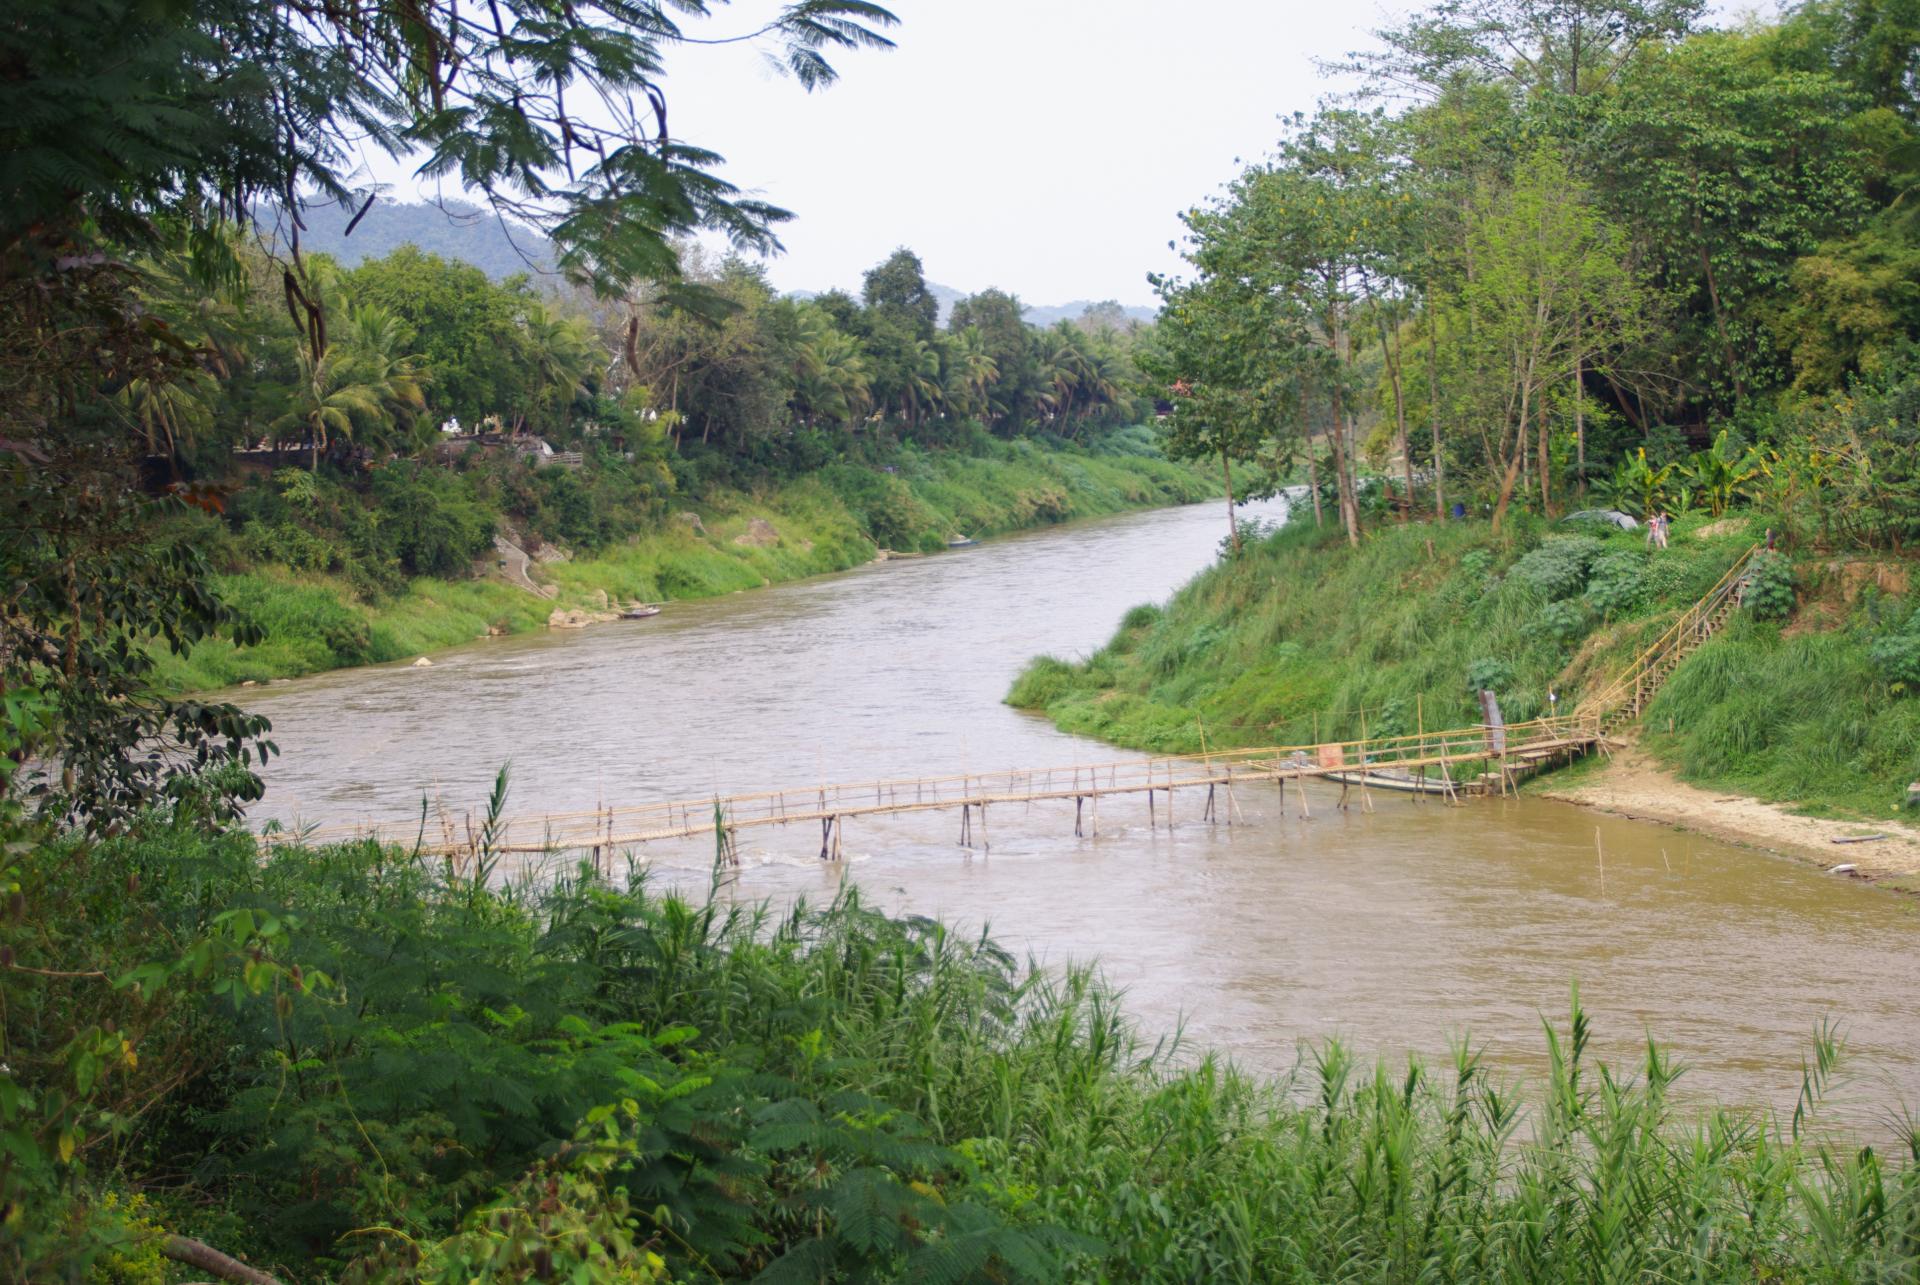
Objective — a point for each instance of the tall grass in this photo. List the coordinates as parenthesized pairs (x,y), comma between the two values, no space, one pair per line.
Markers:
(1804,718)
(467,1040)
(1302,639)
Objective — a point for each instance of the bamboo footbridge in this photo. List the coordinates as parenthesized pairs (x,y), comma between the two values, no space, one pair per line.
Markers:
(1485,758)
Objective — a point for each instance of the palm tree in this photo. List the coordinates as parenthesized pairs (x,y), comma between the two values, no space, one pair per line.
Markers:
(971,371)
(1066,370)
(920,385)
(561,350)
(372,356)
(831,379)
(331,399)
(172,410)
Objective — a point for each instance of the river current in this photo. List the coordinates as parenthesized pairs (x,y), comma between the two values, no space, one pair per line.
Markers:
(1402,929)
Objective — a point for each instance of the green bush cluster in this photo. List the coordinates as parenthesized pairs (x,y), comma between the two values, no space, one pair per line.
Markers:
(1896,654)
(1558,567)
(1617,581)
(383,1068)
(1767,586)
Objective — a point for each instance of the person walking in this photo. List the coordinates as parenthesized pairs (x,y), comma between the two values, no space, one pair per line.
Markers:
(1657,530)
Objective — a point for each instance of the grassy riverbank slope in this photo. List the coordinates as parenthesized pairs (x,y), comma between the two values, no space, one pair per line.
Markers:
(1304,639)
(828,521)
(380,1069)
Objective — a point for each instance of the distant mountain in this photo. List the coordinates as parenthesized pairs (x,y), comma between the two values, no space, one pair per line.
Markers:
(499,248)
(1047,314)
(454,230)
(1036,314)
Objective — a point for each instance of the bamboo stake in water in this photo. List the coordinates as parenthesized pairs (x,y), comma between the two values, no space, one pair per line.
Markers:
(1602,854)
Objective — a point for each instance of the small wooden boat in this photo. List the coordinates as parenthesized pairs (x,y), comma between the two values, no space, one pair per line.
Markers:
(962,542)
(640,613)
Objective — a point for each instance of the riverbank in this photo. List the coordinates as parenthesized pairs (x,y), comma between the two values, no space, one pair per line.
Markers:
(1304,640)
(725,541)
(1633,785)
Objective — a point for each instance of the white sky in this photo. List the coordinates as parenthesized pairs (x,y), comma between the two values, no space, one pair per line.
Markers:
(1042,146)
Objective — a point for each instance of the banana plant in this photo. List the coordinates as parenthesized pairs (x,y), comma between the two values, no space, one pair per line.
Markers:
(1636,487)
(1723,472)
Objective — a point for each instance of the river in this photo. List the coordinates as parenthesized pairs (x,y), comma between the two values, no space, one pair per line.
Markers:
(1400,929)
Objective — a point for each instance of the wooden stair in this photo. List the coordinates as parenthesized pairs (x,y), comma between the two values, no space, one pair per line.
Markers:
(1622,701)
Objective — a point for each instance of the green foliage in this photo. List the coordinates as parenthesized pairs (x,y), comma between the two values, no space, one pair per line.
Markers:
(1558,568)
(1617,581)
(1897,656)
(1562,622)
(1767,588)
(1302,640)
(1489,675)
(1808,718)
(565,1079)
(433,525)
(1637,486)
(96,579)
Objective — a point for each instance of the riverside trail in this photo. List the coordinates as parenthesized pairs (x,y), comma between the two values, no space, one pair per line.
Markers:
(1398,929)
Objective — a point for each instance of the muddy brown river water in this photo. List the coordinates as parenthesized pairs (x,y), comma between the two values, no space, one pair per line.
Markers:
(1400,929)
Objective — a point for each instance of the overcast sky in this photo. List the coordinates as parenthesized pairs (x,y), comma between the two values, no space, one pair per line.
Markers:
(1042,146)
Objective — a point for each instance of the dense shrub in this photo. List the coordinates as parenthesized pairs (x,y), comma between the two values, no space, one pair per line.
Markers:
(1558,568)
(1560,622)
(431,521)
(1617,581)
(1896,654)
(1489,675)
(1768,589)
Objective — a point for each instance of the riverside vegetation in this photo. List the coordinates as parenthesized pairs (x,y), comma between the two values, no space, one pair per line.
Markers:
(1302,639)
(299,562)
(352,1064)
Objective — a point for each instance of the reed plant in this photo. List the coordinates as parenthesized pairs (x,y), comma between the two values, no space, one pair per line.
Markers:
(475,1075)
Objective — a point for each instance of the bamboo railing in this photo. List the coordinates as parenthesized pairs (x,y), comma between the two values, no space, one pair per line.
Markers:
(1627,695)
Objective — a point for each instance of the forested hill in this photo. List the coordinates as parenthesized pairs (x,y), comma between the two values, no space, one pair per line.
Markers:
(452,229)
(500,248)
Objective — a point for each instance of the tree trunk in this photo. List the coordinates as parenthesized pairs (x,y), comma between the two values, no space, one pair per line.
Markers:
(1433,409)
(1342,466)
(1390,347)
(1506,487)
(1579,408)
(1233,527)
(1313,457)
(1546,461)
(1713,297)
(1313,484)
(1342,471)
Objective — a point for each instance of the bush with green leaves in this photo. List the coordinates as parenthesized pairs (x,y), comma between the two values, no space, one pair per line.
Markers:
(1767,586)
(1560,622)
(1489,675)
(391,1069)
(1896,655)
(1558,568)
(1617,581)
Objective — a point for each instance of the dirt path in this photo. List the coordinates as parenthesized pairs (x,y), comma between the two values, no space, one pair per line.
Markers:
(1632,785)
(514,570)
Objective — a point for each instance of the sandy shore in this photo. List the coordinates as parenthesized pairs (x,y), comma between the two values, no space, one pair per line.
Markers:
(1631,785)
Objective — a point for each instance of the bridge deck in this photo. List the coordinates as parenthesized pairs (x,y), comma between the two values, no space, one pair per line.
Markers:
(613,828)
